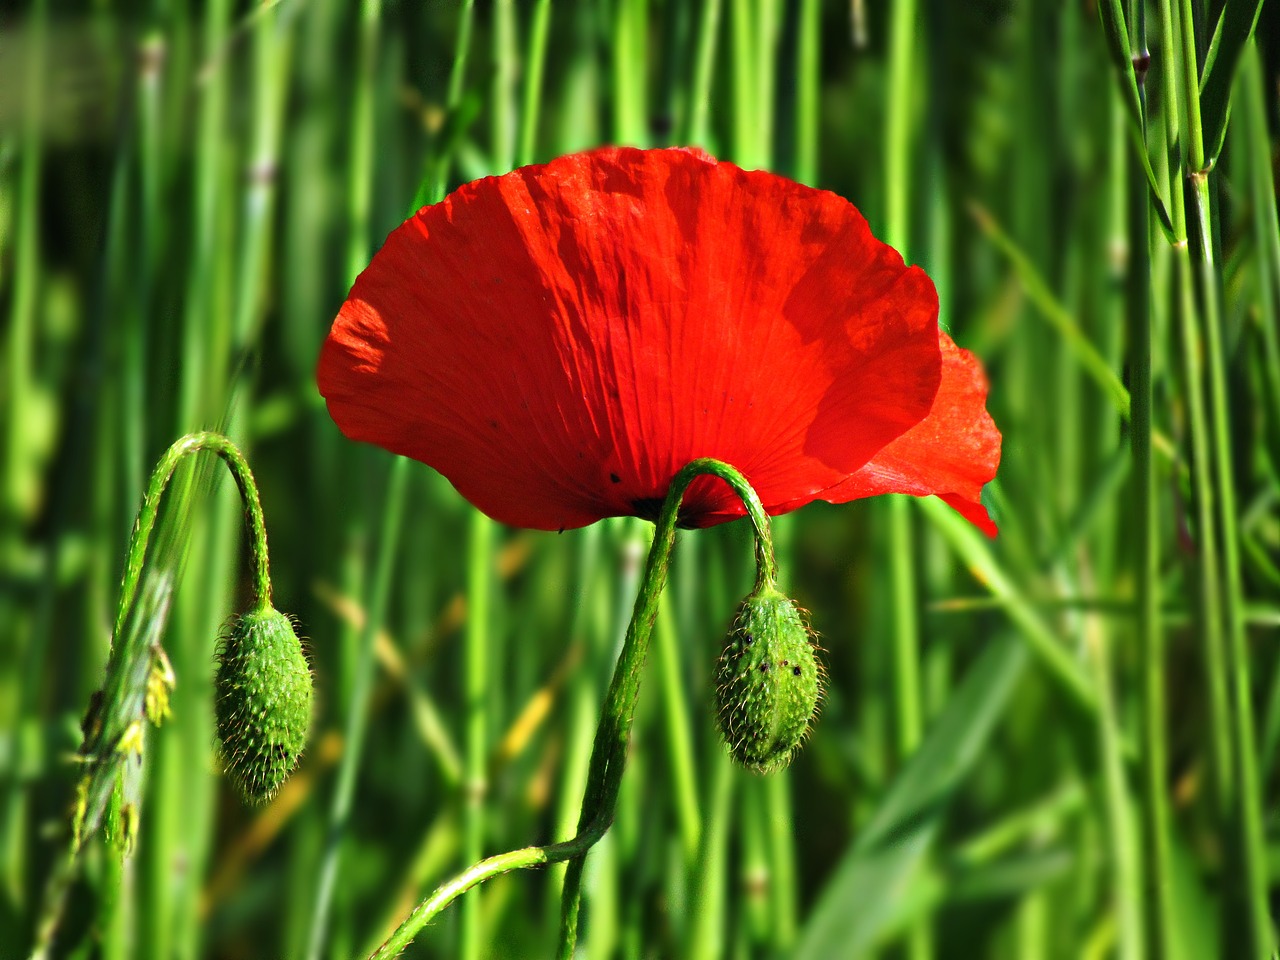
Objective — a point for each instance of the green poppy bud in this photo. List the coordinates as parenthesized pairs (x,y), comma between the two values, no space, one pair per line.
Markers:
(768,682)
(263,702)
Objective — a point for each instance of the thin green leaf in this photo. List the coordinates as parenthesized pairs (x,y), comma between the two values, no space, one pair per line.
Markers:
(1235,27)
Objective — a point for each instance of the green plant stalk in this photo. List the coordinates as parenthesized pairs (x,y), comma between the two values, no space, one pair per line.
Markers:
(675,717)
(475,682)
(630,72)
(765,73)
(1266,228)
(1246,812)
(358,195)
(357,717)
(1210,604)
(808,83)
(907,714)
(703,67)
(197,308)
(475,662)
(746,126)
(135,641)
(613,736)
(1145,507)
(705,934)
(502,149)
(535,60)
(17,392)
(1126,866)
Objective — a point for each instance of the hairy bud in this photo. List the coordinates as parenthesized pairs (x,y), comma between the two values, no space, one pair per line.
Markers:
(263,702)
(768,682)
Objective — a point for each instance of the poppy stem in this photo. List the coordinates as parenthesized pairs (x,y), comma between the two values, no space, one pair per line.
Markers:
(613,735)
(136,660)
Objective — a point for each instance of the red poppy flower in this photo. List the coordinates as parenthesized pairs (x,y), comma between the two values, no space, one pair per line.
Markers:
(561,340)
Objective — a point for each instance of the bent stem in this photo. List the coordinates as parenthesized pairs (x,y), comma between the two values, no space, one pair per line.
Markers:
(613,735)
(112,725)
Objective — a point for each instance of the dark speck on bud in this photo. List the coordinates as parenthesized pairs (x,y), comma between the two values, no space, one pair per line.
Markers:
(764,714)
(263,702)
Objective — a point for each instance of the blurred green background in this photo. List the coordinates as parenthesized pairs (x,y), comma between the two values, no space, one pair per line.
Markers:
(1061,743)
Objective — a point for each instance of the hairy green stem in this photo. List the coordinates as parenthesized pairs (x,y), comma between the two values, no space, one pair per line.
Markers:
(134,645)
(613,735)
(160,477)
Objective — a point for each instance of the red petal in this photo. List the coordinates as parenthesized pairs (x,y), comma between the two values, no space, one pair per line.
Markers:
(561,340)
(952,453)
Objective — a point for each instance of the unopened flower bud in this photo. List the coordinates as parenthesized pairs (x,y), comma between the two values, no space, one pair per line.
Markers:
(263,702)
(768,682)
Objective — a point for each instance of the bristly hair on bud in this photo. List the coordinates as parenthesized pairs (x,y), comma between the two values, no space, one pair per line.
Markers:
(768,681)
(263,702)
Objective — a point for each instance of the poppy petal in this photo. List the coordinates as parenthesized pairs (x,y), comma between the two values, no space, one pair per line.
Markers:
(952,452)
(559,341)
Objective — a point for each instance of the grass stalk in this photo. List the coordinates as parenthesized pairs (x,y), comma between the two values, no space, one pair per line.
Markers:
(1145,506)
(358,715)
(1207,567)
(535,61)
(808,82)
(1246,812)
(475,682)
(679,733)
(698,129)
(903,72)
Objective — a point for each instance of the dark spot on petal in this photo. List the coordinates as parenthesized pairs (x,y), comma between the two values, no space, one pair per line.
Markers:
(796,671)
(615,478)
(764,667)
(786,663)
(748,639)
(494,424)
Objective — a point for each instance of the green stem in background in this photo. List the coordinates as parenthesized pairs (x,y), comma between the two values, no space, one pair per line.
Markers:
(1262,188)
(1157,875)
(1183,308)
(535,59)
(613,736)
(703,67)
(359,193)
(357,718)
(675,715)
(136,635)
(808,83)
(475,682)
(502,149)
(1245,813)
(629,35)
(898,157)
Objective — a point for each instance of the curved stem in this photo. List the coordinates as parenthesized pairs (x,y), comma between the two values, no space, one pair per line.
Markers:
(613,735)
(123,650)
(150,509)
(134,646)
